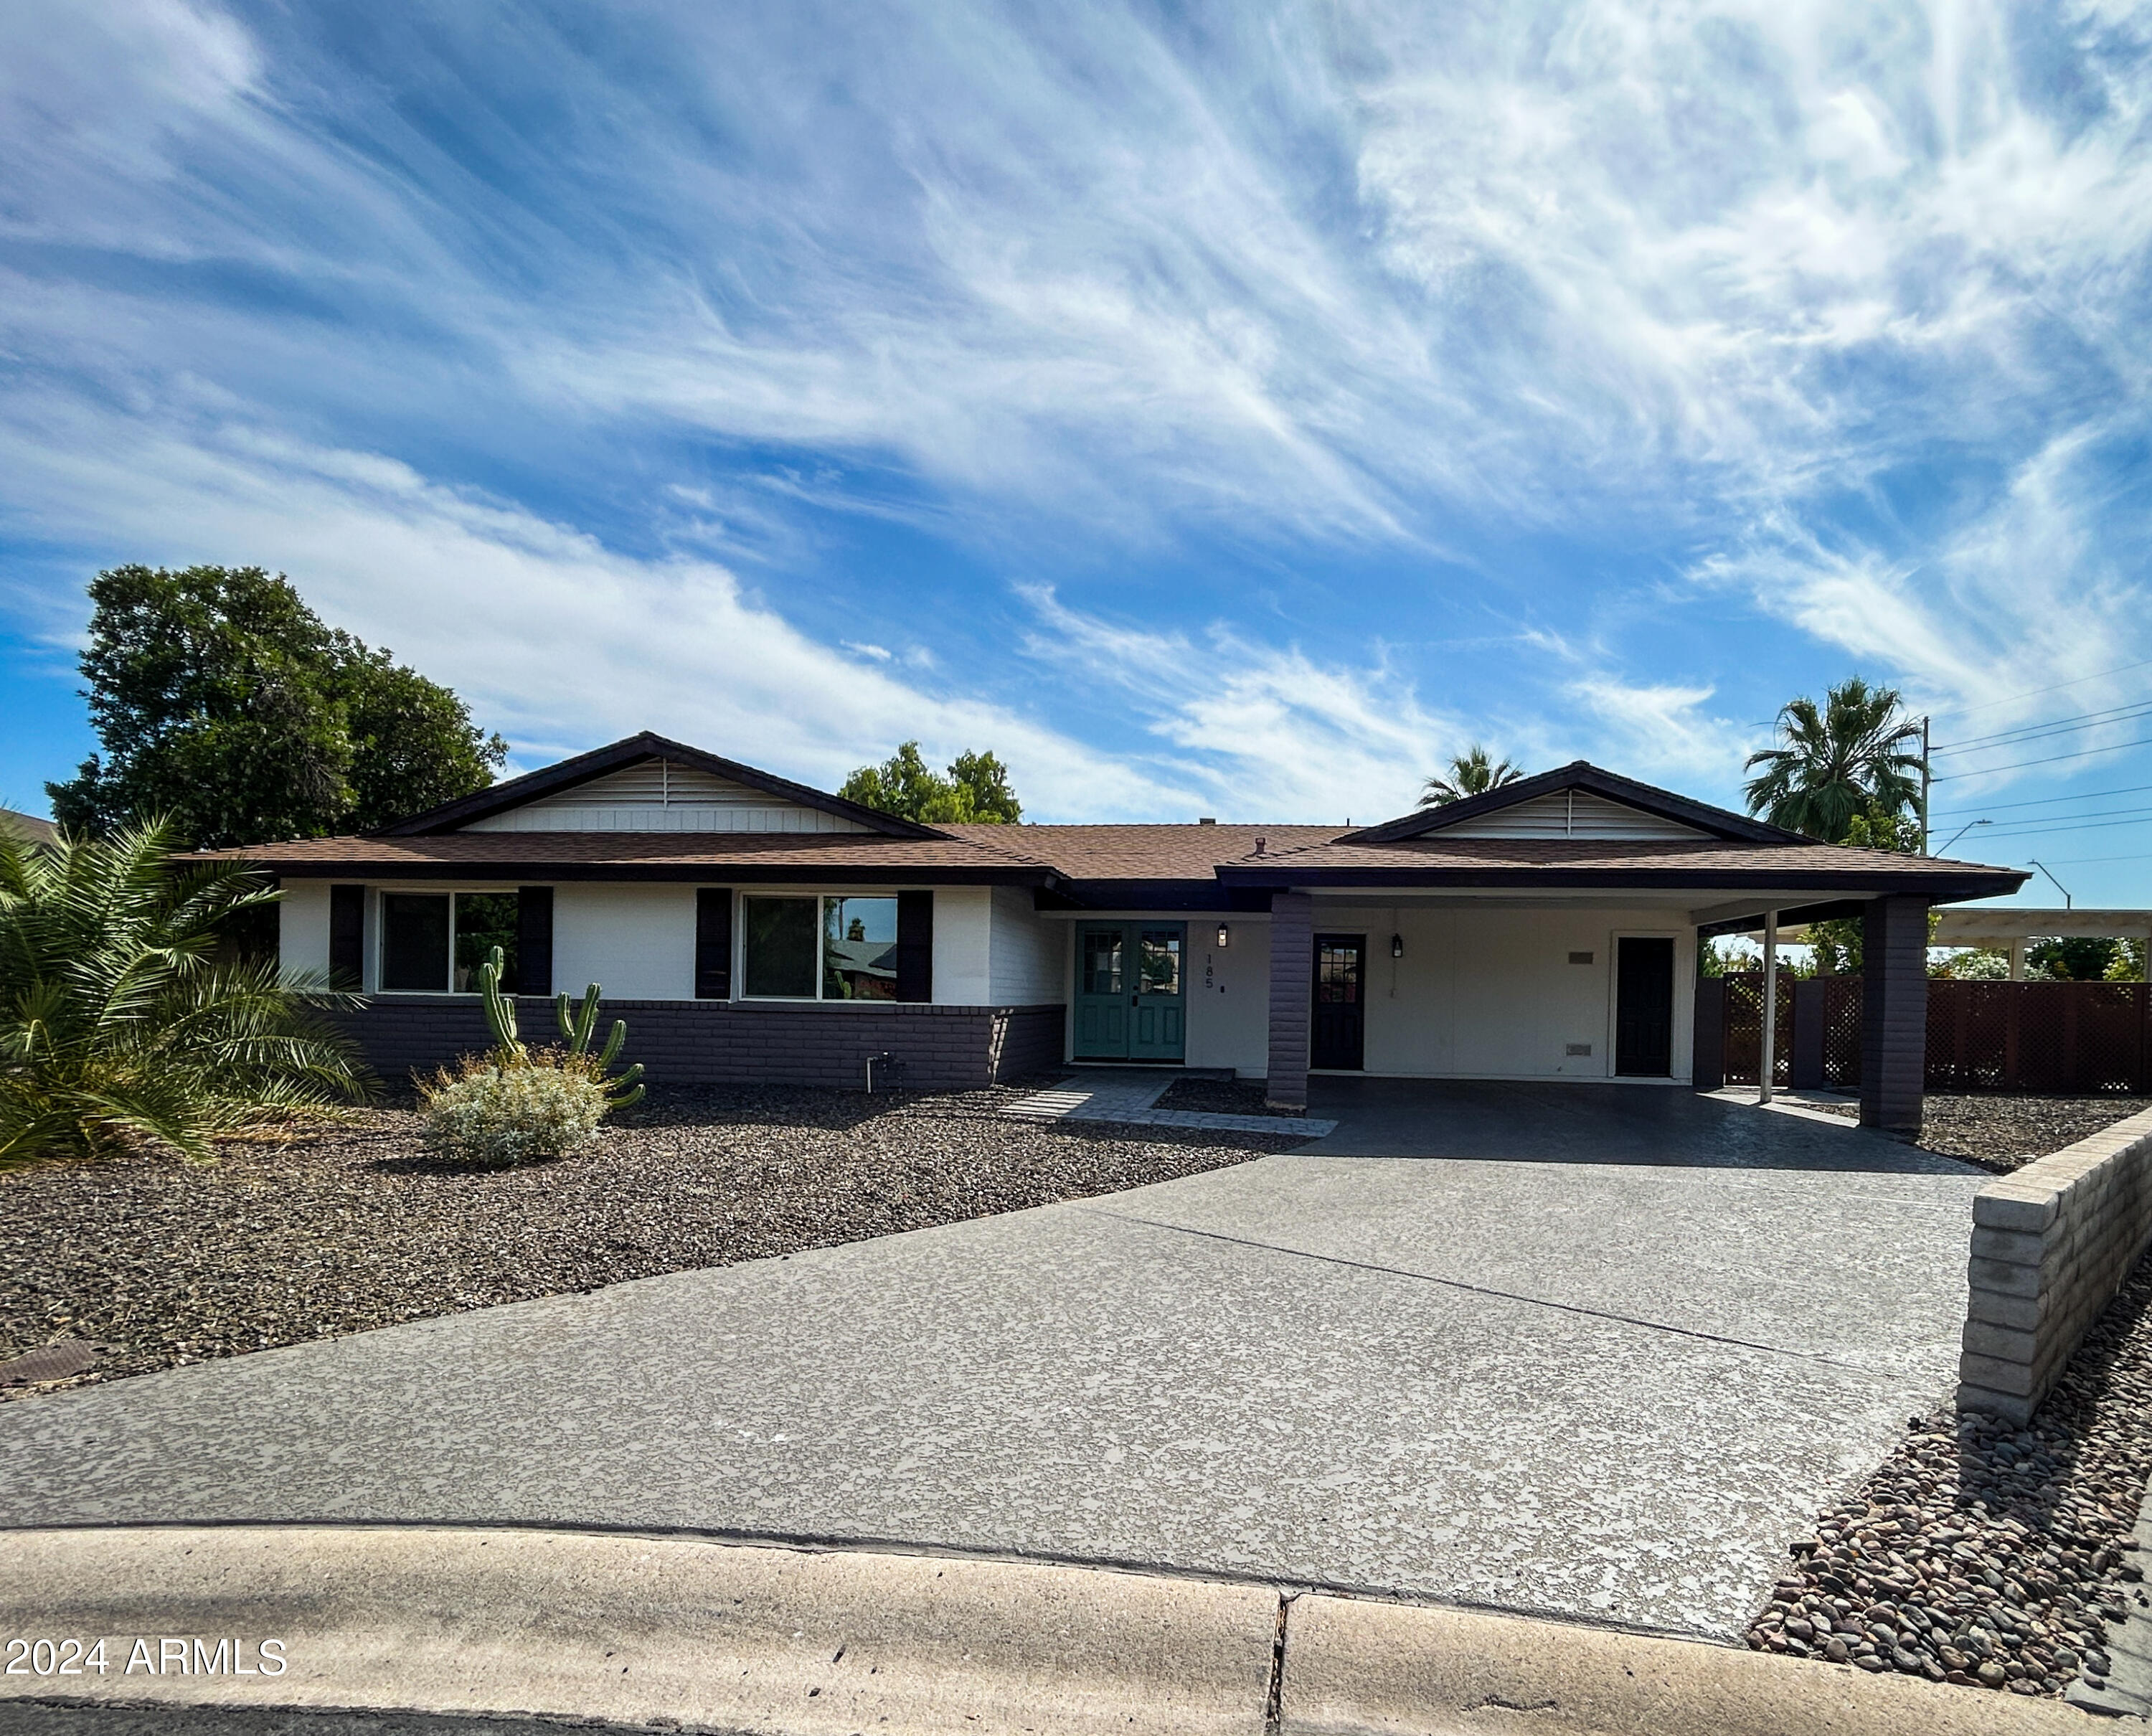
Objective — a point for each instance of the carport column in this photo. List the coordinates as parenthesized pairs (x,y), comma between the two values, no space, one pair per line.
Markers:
(1293,997)
(1894,1012)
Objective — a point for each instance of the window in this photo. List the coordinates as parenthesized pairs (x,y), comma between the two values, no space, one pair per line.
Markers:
(859,949)
(1157,961)
(417,929)
(415,941)
(1102,962)
(485,921)
(830,949)
(781,944)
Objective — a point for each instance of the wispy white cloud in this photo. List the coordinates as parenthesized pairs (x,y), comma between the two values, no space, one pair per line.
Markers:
(1800,328)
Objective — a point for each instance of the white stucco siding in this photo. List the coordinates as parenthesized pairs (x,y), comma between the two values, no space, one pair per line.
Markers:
(963,939)
(1493,994)
(302,927)
(1027,959)
(1229,1017)
(636,942)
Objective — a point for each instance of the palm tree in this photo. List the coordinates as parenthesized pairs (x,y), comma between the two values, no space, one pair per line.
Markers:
(1471,773)
(1854,758)
(125,1022)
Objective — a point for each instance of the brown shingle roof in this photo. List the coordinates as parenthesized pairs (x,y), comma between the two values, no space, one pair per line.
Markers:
(630,855)
(1117,861)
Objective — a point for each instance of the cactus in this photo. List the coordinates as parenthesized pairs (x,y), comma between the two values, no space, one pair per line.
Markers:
(508,1048)
(578,1026)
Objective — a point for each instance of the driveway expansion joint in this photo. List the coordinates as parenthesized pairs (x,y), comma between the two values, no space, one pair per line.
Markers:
(1464,1285)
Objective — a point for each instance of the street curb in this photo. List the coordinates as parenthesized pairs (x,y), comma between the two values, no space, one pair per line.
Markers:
(821,1642)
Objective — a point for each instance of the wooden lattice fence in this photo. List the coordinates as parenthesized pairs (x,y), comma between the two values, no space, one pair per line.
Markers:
(2065,1038)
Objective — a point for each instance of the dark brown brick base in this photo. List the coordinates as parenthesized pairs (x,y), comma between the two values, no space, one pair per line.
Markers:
(716,1042)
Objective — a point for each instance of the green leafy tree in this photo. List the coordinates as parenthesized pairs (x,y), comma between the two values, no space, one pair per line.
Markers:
(1852,757)
(221,702)
(975,789)
(2075,958)
(126,1017)
(1474,772)
(1838,942)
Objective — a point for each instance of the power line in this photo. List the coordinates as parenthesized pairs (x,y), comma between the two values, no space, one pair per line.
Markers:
(2047,801)
(2033,830)
(1991,771)
(1967,711)
(2068,861)
(2058,726)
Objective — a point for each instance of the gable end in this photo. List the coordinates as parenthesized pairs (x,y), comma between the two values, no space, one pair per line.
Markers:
(1572,814)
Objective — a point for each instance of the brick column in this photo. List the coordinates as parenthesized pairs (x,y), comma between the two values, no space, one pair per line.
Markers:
(1293,997)
(1894,1012)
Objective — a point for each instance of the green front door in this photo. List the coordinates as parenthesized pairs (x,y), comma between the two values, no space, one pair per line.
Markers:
(1155,1032)
(1102,992)
(1130,990)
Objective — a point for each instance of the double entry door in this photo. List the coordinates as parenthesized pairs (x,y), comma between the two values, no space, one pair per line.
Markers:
(1131,991)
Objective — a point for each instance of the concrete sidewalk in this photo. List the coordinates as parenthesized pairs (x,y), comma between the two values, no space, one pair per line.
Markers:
(638,1630)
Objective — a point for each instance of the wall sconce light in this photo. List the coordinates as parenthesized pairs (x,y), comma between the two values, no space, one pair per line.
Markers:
(1225,936)
(1397,946)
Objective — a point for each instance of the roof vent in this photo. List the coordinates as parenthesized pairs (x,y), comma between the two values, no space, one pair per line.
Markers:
(1259,843)
(1208,820)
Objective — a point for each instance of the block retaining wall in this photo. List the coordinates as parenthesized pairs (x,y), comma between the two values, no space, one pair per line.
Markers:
(720,1042)
(2052,1243)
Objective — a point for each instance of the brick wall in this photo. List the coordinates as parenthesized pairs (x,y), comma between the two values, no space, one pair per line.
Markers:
(2051,1244)
(1292,995)
(717,1042)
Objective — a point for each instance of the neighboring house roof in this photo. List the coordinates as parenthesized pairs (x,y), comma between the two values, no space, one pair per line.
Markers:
(27,826)
(1577,827)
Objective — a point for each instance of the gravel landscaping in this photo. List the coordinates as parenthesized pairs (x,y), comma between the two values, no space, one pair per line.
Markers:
(1219,1097)
(161,1262)
(1984,1555)
(2001,1132)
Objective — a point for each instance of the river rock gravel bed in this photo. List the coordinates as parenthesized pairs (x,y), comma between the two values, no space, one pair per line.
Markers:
(2002,1131)
(1988,1555)
(158,1262)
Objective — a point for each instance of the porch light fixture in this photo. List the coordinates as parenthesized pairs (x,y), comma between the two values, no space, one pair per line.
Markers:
(1225,936)
(1397,946)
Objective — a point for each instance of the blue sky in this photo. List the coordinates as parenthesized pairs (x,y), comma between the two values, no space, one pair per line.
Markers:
(1229,410)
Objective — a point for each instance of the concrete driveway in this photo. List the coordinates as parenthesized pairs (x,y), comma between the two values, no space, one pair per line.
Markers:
(1605,1389)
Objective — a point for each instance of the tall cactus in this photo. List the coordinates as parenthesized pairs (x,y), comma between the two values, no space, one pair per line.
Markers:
(578,1026)
(508,1049)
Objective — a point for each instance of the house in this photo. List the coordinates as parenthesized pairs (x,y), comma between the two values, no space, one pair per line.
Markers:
(750,928)
(27,828)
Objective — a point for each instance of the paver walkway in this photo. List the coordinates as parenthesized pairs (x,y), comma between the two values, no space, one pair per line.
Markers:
(1606,1390)
(1130,1096)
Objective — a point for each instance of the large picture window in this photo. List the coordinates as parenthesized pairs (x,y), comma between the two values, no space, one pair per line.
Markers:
(830,949)
(434,942)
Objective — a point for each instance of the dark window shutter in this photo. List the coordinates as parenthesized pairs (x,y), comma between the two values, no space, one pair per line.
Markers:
(713,944)
(915,946)
(534,940)
(347,936)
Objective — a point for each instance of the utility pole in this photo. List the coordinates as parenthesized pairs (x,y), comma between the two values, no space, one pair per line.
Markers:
(1924,786)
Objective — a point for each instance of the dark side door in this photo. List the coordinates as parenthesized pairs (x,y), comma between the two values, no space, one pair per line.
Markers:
(1337,1032)
(1644,1006)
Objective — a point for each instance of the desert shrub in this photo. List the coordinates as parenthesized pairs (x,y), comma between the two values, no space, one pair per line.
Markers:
(491,1112)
